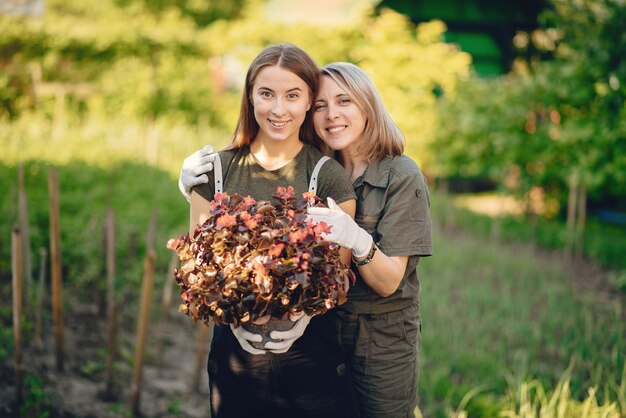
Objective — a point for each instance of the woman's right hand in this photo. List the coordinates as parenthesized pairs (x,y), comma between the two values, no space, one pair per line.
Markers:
(194,167)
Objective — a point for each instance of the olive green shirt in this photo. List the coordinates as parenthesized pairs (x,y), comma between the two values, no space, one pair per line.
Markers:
(242,174)
(393,205)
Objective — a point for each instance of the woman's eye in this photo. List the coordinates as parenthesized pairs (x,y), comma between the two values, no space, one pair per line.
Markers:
(319,106)
(292,96)
(265,94)
(344,100)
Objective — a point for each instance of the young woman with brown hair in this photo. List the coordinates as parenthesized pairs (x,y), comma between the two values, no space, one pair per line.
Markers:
(272,147)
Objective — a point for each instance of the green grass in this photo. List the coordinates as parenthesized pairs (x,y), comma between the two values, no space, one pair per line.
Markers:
(496,317)
(104,142)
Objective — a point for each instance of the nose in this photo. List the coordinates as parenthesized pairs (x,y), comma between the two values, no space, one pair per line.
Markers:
(278,109)
(331,112)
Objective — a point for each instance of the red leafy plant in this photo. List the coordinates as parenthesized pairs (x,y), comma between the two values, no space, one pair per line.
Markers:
(251,259)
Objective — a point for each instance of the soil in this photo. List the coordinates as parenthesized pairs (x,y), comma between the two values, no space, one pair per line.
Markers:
(168,387)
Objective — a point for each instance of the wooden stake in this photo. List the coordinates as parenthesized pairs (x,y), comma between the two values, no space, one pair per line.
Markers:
(16,246)
(55,265)
(24,230)
(111,306)
(144,315)
(43,256)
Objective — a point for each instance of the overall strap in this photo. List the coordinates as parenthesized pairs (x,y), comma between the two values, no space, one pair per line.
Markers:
(219,184)
(315,174)
(217,167)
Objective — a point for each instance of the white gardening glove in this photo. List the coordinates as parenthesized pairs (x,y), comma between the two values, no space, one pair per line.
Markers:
(245,337)
(344,231)
(193,170)
(284,339)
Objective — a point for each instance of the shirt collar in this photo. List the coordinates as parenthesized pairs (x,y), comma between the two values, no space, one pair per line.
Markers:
(376,174)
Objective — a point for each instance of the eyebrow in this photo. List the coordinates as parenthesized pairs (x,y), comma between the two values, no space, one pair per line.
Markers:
(288,91)
(336,96)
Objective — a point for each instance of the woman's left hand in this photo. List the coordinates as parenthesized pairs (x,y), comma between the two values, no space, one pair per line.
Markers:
(344,231)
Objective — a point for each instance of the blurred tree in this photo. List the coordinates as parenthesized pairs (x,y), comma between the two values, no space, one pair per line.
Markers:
(559,125)
(411,65)
(152,59)
(203,12)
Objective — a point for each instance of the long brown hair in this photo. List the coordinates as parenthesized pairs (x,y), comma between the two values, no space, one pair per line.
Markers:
(289,57)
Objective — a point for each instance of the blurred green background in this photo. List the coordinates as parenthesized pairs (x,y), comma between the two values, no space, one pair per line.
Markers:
(515,111)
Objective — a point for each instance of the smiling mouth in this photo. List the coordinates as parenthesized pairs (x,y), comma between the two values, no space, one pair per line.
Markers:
(277,124)
(336,129)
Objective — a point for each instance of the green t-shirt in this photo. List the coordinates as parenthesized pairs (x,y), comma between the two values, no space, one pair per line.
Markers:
(242,174)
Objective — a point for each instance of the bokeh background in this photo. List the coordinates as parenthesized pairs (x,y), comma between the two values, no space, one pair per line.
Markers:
(514,110)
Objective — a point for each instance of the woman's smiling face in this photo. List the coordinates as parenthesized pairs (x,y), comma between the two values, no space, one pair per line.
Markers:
(280,100)
(338,121)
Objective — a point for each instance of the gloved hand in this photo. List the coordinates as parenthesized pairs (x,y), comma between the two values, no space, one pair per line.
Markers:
(344,231)
(193,170)
(245,337)
(287,338)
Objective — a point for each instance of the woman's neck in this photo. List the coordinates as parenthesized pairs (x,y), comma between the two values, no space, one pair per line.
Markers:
(272,155)
(353,163)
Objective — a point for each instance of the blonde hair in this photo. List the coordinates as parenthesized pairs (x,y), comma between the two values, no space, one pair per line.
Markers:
(381,136)
(289,57)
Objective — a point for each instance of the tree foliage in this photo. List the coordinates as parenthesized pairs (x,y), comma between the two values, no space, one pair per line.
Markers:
(559,121)
(160,59)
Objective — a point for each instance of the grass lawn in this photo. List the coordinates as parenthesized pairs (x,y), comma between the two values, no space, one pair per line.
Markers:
(500,320)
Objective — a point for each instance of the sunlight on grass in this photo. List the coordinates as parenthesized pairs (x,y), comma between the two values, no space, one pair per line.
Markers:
(491,204)
(104,143)
(497,204)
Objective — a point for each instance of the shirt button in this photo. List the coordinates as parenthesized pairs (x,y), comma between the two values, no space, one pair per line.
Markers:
(418,192)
